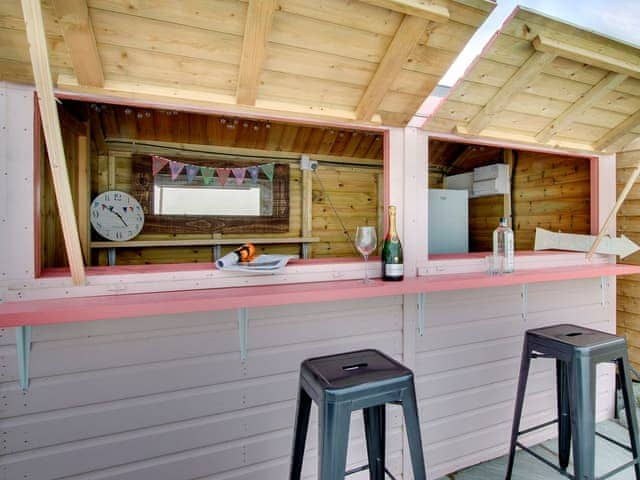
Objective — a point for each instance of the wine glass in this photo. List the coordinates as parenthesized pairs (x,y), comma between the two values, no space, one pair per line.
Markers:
(366,242)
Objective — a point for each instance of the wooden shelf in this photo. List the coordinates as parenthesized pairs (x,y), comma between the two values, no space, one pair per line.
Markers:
(40,312)
(202,242)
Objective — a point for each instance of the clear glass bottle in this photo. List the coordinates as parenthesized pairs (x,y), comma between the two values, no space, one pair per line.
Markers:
(503,245)
(392,262)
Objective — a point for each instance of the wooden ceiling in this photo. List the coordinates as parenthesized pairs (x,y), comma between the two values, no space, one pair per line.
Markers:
(355,61)
(545,82)
(450,158)
(110,123)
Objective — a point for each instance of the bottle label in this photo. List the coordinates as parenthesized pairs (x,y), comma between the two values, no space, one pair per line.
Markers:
(394,269)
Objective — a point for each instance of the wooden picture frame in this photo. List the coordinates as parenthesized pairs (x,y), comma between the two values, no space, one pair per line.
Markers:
(277,222)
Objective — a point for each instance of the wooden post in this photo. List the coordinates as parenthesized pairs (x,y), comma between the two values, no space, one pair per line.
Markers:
(307,210)
(507,157)
(380,214)
(51,125)
(84,188)
(623,194)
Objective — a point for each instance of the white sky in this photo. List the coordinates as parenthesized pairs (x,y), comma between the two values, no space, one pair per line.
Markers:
(619,19)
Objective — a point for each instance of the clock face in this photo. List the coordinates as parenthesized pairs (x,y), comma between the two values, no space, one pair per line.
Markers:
(116,215)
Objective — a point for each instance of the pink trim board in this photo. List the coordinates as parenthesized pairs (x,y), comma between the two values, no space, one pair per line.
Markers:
(41,312)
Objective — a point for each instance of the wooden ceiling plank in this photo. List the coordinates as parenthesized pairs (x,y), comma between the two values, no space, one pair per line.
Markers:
(416,8)
(53,136)
(575,111)
(254,49)
(631,66)
(618,132)
(532,67)
(406,38)
(81,41)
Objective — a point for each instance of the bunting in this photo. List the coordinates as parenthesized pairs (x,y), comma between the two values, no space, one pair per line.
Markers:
(223,175)
(192,171)
(209,173)
(158,163)
(176,168)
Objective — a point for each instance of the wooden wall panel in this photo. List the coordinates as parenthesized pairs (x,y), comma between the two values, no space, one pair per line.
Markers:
(549,191)
(628,222)
(150,399)
(52,242)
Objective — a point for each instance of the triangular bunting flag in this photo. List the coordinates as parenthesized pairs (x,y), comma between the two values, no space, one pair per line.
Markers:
(192,171)
(176,168)
(239,174)
(207,174)
(268,170)
(223,175)
(253,173)
(158,163)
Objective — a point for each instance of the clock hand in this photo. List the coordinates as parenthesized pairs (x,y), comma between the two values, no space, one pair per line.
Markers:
(113,210)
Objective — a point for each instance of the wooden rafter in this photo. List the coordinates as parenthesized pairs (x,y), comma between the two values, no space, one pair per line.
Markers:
(626,64)
(617,132)
(467,153)
(529,70)
(575,111)
(406,38)
(254,49)
(417,8)
(51,125)
(80,40)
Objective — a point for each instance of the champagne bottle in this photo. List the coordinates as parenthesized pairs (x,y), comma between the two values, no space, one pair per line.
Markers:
(392,266)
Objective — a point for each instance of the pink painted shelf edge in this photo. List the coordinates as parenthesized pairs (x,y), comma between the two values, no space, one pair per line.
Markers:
(64,310)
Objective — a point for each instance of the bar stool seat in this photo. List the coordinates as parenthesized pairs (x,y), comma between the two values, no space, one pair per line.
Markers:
(340,384)
(577,350)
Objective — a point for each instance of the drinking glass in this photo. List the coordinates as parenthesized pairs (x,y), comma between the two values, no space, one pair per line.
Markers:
(366,242)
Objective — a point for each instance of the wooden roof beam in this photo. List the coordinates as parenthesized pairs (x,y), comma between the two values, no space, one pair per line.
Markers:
(627,64)
(51,125)
(612,136)
(525,74)
(80,40)
(254,49)
(404,41)
(575,111)
(416,8)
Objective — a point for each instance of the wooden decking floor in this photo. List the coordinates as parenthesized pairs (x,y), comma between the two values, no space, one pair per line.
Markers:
(526,467)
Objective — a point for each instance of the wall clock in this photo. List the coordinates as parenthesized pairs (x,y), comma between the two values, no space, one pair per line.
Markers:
(116,215)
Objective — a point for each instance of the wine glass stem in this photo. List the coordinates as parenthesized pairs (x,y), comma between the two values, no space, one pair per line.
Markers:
(366,270)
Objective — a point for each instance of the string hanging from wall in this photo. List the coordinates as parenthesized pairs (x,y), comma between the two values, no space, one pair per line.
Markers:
(208,174)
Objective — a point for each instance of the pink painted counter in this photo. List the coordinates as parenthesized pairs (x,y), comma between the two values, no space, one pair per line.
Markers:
(40,312)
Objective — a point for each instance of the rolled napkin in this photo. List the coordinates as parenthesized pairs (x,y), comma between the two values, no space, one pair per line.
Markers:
(245,253)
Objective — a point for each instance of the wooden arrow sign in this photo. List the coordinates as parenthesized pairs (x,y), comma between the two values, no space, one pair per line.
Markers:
(546,240)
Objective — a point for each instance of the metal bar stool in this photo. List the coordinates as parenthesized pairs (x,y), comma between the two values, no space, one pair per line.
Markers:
(340,384)
(577,351)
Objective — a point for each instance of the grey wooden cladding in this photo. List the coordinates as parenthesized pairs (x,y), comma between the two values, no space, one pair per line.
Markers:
(167,398)
(175,402)
(468,360)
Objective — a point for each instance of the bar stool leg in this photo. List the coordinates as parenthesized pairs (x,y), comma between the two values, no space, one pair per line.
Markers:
(300,433)
(522,386)
(374,429)
(564,417)
(412,425)
(583,394)
(333,440)
(629,406)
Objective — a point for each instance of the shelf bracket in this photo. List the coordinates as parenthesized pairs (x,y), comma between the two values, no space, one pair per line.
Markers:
(23,351)
(524,295)
(603,291)
(111,256)
(243,325)
(421,299)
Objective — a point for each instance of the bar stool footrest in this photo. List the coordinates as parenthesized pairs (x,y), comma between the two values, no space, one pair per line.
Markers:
(545,461)
(615,442)
(366,467)
(538,427)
